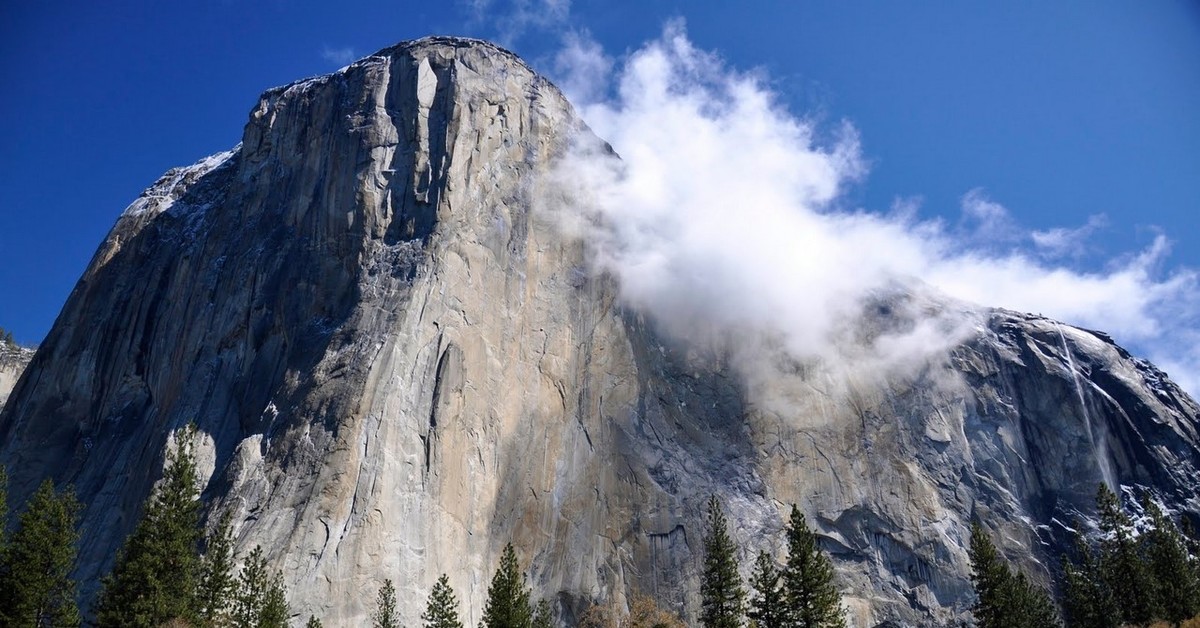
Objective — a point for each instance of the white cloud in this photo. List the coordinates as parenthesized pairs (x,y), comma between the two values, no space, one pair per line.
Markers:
(1067,242)
(987,222)
(512,19)
(583,67)
(724,219)
(338,56)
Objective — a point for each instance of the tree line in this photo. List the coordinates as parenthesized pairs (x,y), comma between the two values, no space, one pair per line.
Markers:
(798,594)
(1125,575)
(170,572)
(167,573)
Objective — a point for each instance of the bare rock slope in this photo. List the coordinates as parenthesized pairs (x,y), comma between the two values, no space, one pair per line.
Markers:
(396,368)
(13,360)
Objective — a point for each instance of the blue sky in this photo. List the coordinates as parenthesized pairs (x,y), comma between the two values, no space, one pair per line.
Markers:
(1073,115)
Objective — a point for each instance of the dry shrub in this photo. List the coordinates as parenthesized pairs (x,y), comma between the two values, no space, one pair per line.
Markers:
(1191,623)
(644,612)
(600,616)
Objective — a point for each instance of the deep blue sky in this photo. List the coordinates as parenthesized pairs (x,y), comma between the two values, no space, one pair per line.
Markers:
(1058,110)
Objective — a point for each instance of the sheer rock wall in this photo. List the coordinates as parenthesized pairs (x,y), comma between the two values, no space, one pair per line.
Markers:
(396,368)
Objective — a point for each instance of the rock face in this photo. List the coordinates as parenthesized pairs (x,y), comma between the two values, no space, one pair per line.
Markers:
(396,368)
(13,360)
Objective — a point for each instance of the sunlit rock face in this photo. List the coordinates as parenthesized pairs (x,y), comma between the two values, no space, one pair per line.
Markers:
(13,360)
(397,366)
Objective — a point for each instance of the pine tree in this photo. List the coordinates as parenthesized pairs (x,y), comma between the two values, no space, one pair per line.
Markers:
(810,598)
(1121,563)
(1005,599)
(1087,600)
(1192,543)
(508,600)
(766,601)
(157,573)
(3,509)
(442,609)
(1034,608)
(542,618)
(275,611)
(991,578)
(722,598)
(385,607)
(3,540)
(251,589)
(313,622)
(36,588)
(217,584)
(1169,566)
(260,600)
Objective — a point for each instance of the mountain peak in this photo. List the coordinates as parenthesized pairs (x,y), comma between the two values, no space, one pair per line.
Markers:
(438,46)
(397,366)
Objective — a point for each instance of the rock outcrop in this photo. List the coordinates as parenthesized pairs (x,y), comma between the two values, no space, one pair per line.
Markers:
(396,368)
(13,360)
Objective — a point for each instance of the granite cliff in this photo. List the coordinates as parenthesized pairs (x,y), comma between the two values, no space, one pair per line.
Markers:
(13,360)
(397,366)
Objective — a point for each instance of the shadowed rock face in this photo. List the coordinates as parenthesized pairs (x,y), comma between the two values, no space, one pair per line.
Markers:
(396,368)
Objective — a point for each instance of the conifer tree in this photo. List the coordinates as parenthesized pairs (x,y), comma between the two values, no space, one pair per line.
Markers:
(542,617)
(810,598)
(275,611)
(313,622)
(1034,608)
(157,573)
(260,600)
(1192,544)
(1087,600)
(217,583)
(36,588)
(251,589)
(3,539)
(3,509)
(1005,599)
(1169,566)
(722,597)
(1121,564)
(991,577)
(508,600)
(385,607)
(766,600)
(442,609)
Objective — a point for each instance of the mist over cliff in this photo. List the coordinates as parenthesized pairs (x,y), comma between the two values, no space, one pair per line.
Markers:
(727,214)
(426,307)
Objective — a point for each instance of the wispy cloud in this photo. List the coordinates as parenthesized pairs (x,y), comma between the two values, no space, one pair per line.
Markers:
(725,219)
(987,222)
(1068,242)
(338,56)
(583,70)
(509,20)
